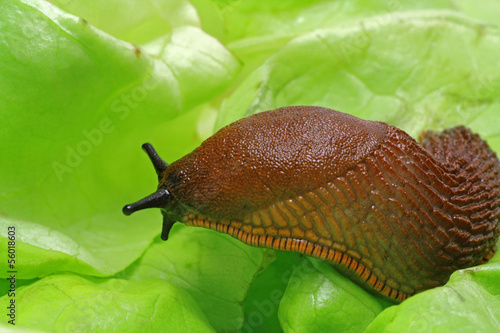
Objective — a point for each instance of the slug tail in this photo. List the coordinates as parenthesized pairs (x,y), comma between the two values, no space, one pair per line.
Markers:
(474,194)
(460,151)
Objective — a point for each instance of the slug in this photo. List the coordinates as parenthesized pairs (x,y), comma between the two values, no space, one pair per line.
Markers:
(396,216)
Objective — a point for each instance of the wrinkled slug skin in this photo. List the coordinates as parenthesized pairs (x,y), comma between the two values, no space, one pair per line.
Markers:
(396,216)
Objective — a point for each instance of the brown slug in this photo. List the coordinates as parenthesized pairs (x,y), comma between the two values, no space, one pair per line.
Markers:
(396,216)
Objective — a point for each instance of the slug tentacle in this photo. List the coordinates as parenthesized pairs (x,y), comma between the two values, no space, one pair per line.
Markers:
(159,164)
(159,199)
(396,216)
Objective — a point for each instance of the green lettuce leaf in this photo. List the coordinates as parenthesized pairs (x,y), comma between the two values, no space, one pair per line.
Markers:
(80,103)
(70,303)
(319,299)
(470,302)
(214,268)
(146,20)
(256,31)
(413,70)
(266,292)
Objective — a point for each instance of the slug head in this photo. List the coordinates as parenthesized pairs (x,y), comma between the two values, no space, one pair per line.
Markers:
(160,199)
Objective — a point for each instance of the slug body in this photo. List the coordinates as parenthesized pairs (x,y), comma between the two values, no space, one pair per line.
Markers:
(396,216)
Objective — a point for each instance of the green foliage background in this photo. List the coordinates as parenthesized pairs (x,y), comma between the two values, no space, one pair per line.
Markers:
(84,83)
